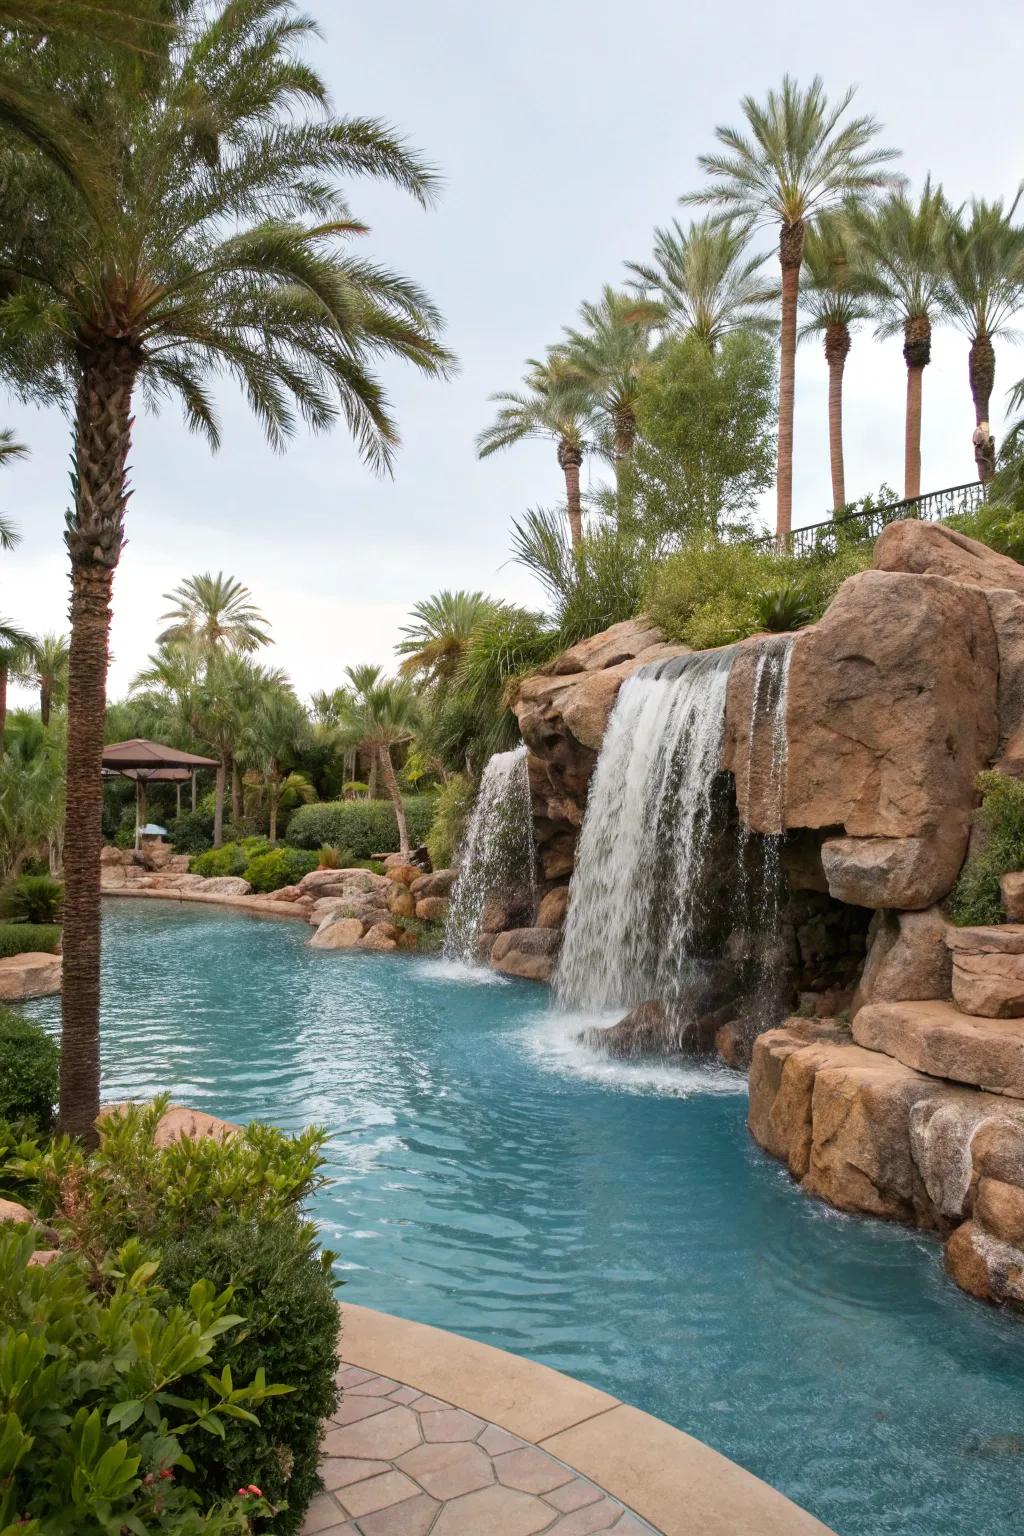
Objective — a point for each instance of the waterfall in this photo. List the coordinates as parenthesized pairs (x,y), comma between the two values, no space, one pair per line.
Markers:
(496,858)
(637,895)
(767,742)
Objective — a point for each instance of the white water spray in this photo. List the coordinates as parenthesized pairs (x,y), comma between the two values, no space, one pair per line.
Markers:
(497,852)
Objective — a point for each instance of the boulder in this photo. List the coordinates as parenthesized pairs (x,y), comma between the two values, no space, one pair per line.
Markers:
(178,1121)
(431,909)
(734,1046)
(382,936)
(935,1037)
(984,1267)
(404,874)
(114,857)
(930,549)
(30,975)
(891,714)
(907,958)
(369,906)
(647,1030)
(226,885)
(526,952)
(988,970)
(341,882)
(401,901)
(440,883)
(1011,887)
(342,934)
(553,907)
(997,1147)
(999,1208)
(501,912)
(11,1211)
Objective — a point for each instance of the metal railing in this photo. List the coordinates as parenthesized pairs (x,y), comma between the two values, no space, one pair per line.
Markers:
(855,527)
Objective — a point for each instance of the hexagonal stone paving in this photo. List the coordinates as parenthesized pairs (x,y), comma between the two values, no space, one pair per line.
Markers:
(399,1463)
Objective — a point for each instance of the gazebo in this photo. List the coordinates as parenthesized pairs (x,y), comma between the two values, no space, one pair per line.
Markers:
(151,762)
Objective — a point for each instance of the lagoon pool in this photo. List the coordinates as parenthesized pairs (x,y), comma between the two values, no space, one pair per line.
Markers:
(614,1221)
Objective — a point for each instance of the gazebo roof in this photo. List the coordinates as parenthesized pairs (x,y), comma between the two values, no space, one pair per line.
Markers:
(150,757)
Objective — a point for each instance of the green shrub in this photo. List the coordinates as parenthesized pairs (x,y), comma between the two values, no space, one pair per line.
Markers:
(94,1431)
(32,899)
(282,1285)
(976,896)
(28,938)
(998,524)
(231,859)
(192,831)
(364,826)
(278,867)
(783,608)
(29,1061)
(453,807)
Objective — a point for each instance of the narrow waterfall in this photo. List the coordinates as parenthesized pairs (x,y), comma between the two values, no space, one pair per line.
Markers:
(638,897)
(496,860)
(767,742)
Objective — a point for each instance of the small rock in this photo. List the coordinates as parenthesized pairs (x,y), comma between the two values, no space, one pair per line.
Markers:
(382,936)
(526,952)
(342,934)
(401,901)
(440,883)
(1000,1210)
(10,1210)
(552,910)
(430,909)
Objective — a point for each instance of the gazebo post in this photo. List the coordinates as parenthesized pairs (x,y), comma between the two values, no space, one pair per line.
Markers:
(138,811)
(193,789)
(177,791)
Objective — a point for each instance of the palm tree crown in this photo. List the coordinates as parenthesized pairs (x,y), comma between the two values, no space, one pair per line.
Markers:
(834,302)
(435,641)
(379,714)
(704,280)
(606,357)
(797,160)
(217,611)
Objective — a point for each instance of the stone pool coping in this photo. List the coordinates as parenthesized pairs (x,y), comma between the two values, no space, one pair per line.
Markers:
(667,1478)
(257,906)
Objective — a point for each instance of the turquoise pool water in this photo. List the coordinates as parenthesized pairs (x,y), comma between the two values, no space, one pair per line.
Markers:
(615,1222)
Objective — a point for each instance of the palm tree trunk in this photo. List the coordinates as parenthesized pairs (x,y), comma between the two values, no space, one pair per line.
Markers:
(94,538)
(837,347)
(236,793)
(371,783)
(570,459)
(3,705)
(791,251)
(44,703)
(273,815)
(218,803)
(391,782)
(981,370)
(917,352)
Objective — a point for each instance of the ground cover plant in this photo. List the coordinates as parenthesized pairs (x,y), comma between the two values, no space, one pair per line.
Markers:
(976,896)
(365,827)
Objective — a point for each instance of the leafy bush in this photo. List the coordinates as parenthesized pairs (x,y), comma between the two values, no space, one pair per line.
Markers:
(28,938)
(230,859)
(32,899)
(997,524)
(278,867)
(29,1061)
(592,585)
(976,896)
(192,831)
(93,1429)
(454,804)
(783,608)
(282,1284)
(364,826)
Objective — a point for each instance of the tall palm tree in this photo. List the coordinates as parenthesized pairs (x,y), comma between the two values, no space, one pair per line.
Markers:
(834,304)
(606,356)
(46,669)
(897,251)
(437,635)
(16,649)
(277,729)
(218,611)
(377,719)
(798,159)
(984,290)
(704,281)
(552,408)
(218,247)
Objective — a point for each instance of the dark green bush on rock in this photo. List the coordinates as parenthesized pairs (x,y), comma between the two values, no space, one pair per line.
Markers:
(282,1285)
(192,831)
(365,826)
(32,899)
(96,1428)
(28,938)
(29,1061)
(279,867)
(976,896)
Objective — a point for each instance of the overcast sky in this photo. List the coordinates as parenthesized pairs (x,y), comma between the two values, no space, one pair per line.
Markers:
(565,129)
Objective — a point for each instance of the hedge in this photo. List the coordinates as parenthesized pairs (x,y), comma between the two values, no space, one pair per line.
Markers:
(29,1061)
(28,938)
(364,827)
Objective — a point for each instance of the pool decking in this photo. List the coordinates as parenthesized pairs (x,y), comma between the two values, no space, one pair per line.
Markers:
(438,1435)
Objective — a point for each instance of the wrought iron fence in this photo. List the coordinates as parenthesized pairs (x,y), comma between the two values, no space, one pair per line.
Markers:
(858,527)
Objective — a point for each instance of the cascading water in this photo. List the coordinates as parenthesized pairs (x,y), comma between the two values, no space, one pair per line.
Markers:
(496,858)
(637,894)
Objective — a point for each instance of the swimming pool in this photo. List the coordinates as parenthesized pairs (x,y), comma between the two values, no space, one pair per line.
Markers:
(614,1221)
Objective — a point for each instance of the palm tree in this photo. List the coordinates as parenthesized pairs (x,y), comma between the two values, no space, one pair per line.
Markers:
(606,357)
(800,160)
(218,611)
(277,729)
(16,649)
(218,247)
(435,641)
(377,719)
(551,408)
(47,670)
(897,251)
(704,282)
(984,290)
(834,304)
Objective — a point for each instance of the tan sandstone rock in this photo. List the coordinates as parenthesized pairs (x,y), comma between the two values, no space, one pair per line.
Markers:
(383,937)
(1011,887)
(30,975)
(526,952)
(12,1211)
(431,909)
(553,907)
(999,1208)
(935,1037)
(439,883)
(226,885)
(401,901)
(908,958)
(984,1267)
(343,934)
(988,970)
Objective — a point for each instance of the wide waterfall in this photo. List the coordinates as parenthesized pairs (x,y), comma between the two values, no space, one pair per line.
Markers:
(496,861)
(637,897)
